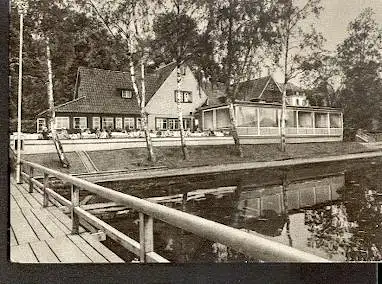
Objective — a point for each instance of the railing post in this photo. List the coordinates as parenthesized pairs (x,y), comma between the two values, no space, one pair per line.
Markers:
(45,200)
(146,236)
(30,179)
(75,193)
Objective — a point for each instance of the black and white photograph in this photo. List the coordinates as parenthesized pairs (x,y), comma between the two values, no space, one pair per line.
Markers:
(195,131)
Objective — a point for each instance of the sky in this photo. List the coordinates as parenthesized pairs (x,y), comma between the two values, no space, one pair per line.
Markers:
(334,20)
(337,14)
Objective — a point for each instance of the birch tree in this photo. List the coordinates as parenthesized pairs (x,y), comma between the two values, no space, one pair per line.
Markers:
(130,20)
(52,113)
(294,43)
(240,29)
(176,39)
(46,17)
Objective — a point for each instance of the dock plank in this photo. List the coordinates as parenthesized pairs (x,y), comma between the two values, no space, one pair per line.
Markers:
(13,241)
(44,253)
(64,219)
(31,199)
(13,203)
(90,252)
(37,227)
(38,197)
(49,225)
(21,201)
(33,202)
(61,225)
(108,254)
(23,231)
(23,254)
(67,251)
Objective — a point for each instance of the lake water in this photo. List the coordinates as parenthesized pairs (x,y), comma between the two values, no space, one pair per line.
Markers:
(330,210)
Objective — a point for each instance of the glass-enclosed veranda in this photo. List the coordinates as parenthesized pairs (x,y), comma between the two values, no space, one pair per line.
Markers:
(262,119)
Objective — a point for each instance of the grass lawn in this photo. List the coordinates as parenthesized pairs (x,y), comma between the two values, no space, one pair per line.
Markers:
(171,157)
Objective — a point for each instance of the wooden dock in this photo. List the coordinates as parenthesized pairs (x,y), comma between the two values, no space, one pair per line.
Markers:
(43,235)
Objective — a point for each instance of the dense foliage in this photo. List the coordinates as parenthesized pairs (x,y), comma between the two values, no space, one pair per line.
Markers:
(76,38)
(227,41)
(360,60)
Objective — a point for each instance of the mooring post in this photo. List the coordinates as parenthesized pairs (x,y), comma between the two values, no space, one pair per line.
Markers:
(146,236)
(75,193)
(30,179)
(45,200)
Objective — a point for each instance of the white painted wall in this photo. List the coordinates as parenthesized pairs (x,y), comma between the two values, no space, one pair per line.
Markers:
(47,146)
(163,104)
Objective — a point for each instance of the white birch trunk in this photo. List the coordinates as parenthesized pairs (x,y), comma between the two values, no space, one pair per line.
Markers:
(144,122)
(52,113)
(283,109)
(283,119)
(142,105)
(234,133)
(180,112)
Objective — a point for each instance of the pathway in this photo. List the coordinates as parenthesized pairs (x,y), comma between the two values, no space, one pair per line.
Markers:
(87,161)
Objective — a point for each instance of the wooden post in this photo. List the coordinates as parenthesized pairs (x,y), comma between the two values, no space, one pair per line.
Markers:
(297,122)
(314,122)
(45,183)
(201,124)
(258,121)
(146,236)
(214,126)
(30,179)
(328,123)
(75,193)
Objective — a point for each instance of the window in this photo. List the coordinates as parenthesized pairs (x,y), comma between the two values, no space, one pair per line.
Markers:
(183,96)
(107,122)
(271,87)
(183,70)
(80,122)
(40,124)
(96,122)
(126,94)
(129,123)
(139,124)
(173,123)
(118,122)
(61,122)
(161,123)
(186,124)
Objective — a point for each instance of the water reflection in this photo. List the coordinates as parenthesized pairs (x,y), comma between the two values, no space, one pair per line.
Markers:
(334,215)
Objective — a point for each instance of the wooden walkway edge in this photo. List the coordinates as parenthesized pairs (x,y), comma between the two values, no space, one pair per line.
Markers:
(43,235)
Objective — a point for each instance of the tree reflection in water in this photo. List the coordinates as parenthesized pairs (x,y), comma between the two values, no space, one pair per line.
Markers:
(351,228)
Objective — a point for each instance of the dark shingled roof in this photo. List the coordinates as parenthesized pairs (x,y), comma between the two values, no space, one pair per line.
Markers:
(250,90)
(98,90)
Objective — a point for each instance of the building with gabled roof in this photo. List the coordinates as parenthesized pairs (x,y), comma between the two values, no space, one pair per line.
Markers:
(105,99)
(263,89)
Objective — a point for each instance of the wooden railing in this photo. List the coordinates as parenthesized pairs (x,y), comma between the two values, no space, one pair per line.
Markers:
(275,131)
(246,243)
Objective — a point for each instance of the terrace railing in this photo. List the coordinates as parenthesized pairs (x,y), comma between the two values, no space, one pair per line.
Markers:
(244,242)
(275,131)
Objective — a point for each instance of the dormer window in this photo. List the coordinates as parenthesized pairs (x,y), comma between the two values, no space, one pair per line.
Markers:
(126,94)
(183,70)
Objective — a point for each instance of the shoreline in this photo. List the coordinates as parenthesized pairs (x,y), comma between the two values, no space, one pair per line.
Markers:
(133,161)
(149,174)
